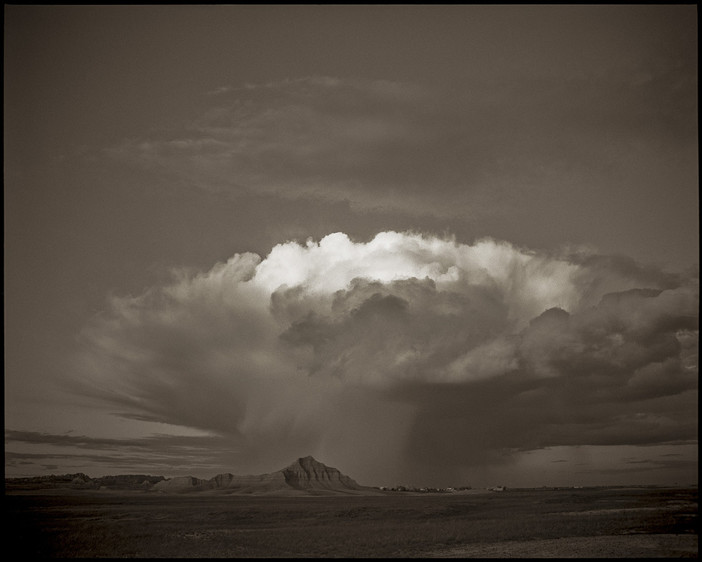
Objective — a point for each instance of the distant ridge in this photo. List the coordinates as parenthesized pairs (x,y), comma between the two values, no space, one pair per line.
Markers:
(80,481)
(305,476)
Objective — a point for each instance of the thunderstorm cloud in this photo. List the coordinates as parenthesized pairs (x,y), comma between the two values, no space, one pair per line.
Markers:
(404,353)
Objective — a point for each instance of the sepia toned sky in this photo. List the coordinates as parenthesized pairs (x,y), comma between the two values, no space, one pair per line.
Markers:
(428,245)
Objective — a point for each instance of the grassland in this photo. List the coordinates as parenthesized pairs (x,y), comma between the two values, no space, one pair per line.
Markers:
(634,522)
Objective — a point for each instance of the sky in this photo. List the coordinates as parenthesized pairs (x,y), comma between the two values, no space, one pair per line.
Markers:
(428,245)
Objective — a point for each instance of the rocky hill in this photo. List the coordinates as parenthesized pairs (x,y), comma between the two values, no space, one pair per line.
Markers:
(305,476)
(309,474)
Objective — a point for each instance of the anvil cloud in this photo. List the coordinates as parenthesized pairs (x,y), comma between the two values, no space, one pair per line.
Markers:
(411,350)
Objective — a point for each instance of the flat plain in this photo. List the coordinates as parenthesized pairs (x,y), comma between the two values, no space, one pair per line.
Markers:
(588,522)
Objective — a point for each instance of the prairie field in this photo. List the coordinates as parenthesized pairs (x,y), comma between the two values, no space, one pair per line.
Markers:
(597,522)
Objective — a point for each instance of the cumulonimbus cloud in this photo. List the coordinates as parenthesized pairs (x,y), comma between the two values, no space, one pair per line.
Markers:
(408,349)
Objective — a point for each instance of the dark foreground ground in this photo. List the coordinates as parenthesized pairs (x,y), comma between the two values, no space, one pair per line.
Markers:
(622,522)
